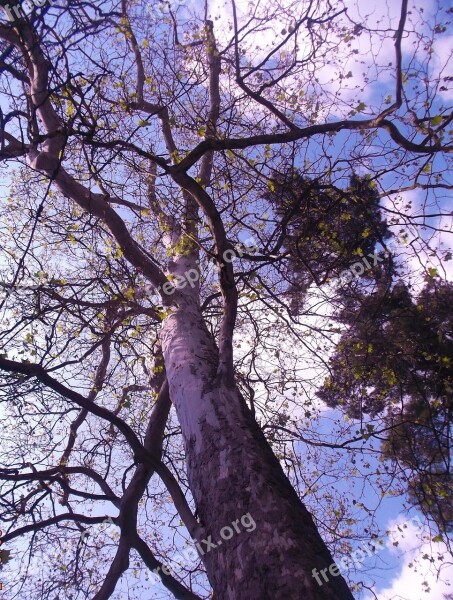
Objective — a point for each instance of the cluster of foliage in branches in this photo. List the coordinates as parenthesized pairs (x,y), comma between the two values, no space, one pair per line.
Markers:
(325,229)
(396,358)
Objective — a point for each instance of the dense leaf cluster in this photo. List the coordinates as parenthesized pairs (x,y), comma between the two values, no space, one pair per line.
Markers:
(396,359)
(326,229)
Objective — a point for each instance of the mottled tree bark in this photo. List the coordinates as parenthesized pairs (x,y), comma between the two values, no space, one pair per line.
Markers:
(233,471)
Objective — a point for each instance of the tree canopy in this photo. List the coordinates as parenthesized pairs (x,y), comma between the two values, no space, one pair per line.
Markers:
(282,167)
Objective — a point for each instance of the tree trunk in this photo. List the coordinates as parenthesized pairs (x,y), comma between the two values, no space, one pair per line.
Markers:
(232,471)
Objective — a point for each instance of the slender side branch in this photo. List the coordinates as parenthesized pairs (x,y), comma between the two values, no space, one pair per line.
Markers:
(175,587)
(226,273)
(53,521)
(119,565)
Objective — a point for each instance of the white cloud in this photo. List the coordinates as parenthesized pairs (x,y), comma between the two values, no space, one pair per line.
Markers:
(424,574)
